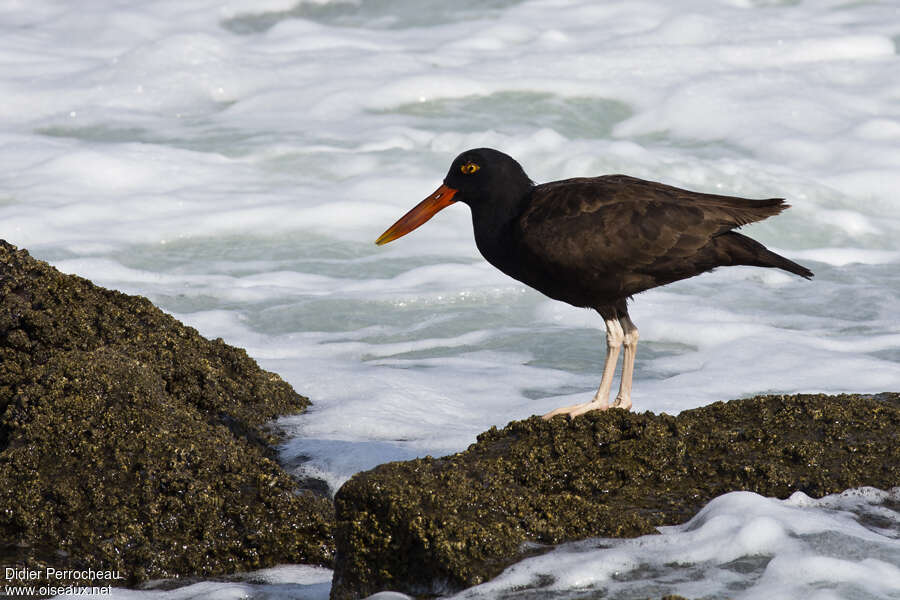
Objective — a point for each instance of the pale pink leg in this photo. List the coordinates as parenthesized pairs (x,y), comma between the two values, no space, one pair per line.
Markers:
(623,399)
(615,336)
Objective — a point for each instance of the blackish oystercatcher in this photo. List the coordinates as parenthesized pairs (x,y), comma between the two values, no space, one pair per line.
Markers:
(596,241)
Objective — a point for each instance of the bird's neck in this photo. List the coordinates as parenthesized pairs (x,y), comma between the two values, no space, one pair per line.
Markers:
(501,207)
(494,220)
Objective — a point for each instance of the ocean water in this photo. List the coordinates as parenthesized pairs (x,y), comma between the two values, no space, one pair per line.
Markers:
(234,162)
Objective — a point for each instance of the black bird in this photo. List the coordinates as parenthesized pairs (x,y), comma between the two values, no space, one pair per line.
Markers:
(596,241)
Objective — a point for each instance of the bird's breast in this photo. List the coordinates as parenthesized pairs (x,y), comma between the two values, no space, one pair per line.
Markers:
(506,252)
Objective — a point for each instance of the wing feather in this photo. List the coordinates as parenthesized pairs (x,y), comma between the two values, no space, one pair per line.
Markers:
(615,223)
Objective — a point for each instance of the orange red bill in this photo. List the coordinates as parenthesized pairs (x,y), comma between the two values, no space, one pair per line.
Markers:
(424,210)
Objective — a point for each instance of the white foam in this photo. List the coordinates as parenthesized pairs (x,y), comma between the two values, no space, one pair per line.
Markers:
(739,541)
(840,257)
(285,582)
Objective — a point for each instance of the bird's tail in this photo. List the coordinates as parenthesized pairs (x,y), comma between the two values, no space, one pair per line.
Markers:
(776,260)
(747,251)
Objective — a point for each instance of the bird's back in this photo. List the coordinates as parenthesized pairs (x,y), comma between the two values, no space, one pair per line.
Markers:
(571,198)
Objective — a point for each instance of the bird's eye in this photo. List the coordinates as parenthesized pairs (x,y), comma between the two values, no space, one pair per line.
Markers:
(469,168)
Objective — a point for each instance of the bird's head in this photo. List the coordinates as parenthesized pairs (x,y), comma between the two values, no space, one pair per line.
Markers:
(477,177)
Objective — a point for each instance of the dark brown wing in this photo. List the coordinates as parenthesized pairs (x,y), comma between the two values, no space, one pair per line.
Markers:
(626,232)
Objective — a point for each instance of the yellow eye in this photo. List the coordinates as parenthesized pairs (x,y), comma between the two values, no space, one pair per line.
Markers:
(469,168)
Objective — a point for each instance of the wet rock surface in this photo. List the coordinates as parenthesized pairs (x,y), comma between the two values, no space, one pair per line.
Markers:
(130,442)
(437,525)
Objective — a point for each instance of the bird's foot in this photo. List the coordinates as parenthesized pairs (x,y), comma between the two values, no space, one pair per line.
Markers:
(577,409)
(623,403)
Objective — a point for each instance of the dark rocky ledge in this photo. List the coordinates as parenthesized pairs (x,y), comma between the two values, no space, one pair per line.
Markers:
(129,442)
(432,526)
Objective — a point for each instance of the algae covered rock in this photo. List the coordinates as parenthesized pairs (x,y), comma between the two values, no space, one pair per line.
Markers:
(437,525)
(129,442)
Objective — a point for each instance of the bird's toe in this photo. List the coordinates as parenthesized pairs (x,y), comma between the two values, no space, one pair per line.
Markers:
(573,411)
(623,403)
(586,408)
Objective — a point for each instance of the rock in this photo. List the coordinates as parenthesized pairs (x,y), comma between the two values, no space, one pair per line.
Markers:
(129,442)
(433,526)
